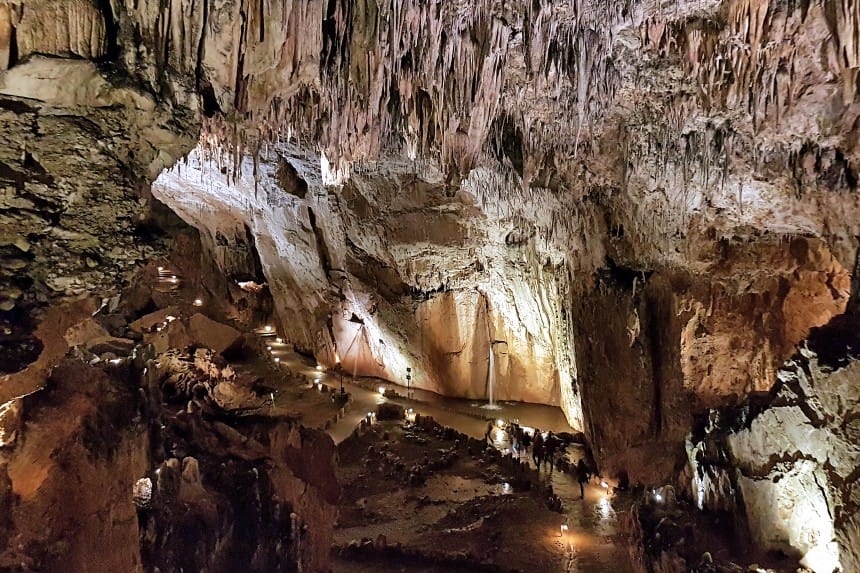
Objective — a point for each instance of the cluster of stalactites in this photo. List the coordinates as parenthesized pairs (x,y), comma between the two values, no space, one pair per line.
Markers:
(422,79)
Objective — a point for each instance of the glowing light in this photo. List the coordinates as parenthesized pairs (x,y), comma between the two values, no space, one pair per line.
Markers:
(250,286)
(319,367)
(279,340)
(160,269)
(382,390)
(116,361)
(142,492)
(658,498)
(277,360)
(269,348)
(604,485)
(410,415)
(198,302)
(500,423)
(604,508)
(268,328)
(563,526)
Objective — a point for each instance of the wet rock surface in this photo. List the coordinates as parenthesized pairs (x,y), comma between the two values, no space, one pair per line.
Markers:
(634,210)
(175,460)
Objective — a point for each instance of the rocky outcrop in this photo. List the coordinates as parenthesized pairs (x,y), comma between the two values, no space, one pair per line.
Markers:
(93,455)
(787,464)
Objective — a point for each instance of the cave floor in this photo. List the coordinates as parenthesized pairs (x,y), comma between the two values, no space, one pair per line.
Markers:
(474,510)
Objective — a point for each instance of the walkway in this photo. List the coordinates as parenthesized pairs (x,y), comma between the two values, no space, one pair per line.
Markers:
(593,532)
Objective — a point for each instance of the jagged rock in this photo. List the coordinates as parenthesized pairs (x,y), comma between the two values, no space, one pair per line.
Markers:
(152,320)
(11,419)
(83,332)
(206,332)
(117,346)
(794,452)
(232,397)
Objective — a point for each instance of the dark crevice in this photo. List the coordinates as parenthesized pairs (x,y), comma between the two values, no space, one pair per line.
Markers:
(854,301)
(654,339)
(325,257)
(13,47)
(204,87)
(112,50)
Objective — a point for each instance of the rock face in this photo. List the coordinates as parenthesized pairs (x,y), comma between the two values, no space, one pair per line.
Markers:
(788,464)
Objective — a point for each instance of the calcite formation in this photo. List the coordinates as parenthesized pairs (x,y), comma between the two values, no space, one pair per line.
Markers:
(789,463)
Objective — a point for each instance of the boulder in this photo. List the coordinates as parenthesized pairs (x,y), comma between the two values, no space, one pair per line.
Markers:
(83,332)
(190,486)
(148,322)
(230,397)
(206,332)
(117,346)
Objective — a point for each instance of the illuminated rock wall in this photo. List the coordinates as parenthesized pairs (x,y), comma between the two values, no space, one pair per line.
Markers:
(788,463)
(387,272)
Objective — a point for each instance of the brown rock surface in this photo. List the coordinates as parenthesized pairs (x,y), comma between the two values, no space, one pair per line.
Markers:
(787,463)
(211,334)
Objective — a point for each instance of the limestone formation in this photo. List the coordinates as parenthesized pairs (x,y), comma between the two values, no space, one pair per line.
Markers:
(789,464)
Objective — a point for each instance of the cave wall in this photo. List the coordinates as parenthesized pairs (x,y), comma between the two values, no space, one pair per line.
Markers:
(387,272)
(787,464)
(660,348)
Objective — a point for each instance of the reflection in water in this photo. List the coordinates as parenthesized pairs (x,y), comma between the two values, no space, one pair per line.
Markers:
(604,508)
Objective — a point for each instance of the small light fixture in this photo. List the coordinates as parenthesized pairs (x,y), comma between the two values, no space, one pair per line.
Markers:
(277,360)
(500,423)
(319,367)
(382,390)
(268,328)
(160,269)
(268,348)
(279,340)
(198,302)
